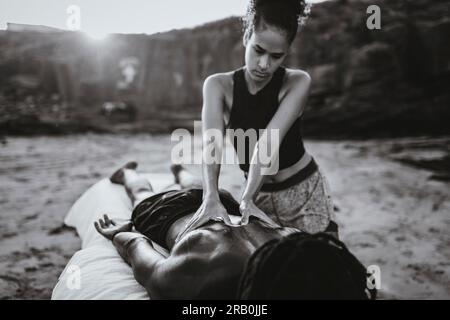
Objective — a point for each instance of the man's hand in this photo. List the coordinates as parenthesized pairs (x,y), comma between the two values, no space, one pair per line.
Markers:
(248,208)
(109,228)
(209,210)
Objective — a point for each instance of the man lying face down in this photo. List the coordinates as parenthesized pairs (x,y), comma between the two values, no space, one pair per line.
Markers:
(219,260)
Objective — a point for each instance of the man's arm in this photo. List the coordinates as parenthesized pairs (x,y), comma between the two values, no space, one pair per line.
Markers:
(137,251)
(175,277)
(145,261)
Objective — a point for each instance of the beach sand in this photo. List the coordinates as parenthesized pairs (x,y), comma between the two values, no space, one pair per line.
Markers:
(391,213)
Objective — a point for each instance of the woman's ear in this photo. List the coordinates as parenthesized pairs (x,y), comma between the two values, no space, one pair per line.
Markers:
(246,37)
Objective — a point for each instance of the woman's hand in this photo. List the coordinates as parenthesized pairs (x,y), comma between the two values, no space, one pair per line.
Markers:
(248,208)
(210,209)
(109,228)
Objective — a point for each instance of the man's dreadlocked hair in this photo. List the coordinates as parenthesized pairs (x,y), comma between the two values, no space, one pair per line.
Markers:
(286,15)
(303,266)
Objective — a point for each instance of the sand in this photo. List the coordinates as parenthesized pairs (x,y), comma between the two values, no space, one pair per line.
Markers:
(391,214)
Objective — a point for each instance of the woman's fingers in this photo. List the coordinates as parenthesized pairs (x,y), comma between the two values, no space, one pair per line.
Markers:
(226,218)
(107,221)
(203,215)
(191,226)
(268,221)
(195,221)
(245,216)
(182,233)
(245,219)
(245,211)
(195,218)
(102,223)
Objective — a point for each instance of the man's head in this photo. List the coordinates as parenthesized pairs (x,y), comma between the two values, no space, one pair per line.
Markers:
(302,266)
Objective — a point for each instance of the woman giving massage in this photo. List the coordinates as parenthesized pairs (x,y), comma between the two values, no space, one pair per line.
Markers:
(263,95)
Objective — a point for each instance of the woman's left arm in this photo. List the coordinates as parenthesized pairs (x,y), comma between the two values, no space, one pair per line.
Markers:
(291,107)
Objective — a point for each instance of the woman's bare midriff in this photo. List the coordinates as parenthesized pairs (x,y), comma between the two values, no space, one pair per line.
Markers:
(288,172)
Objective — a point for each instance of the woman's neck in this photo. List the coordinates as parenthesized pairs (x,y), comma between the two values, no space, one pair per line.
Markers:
(254,86)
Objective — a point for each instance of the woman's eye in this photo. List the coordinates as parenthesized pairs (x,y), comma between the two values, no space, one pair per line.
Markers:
(259,50)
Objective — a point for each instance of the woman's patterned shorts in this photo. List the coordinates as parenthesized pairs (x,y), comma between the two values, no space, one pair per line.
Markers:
(306,205)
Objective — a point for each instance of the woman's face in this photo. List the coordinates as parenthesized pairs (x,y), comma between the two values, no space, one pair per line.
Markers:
(265,51)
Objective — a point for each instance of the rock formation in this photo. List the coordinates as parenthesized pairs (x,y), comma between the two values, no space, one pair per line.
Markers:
(366,83)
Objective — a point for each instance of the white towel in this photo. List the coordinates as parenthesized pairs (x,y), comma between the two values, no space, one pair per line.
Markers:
(97,271)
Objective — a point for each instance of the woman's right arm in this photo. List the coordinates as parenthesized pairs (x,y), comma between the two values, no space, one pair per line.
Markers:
(212,138)
(212,128)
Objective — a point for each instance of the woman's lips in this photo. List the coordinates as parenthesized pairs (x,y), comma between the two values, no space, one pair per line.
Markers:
(260,75)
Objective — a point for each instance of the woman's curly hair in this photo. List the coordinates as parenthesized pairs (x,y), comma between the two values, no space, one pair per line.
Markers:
(286,15)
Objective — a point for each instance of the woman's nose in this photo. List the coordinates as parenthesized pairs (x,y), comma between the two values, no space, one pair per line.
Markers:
(263,63)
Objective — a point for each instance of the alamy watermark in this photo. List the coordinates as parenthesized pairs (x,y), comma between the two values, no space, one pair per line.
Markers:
(373,277)
(73,21)
(374,20)
(73,281)
(265,142)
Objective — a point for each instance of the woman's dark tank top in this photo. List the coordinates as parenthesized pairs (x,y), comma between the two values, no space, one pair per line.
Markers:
(255,112)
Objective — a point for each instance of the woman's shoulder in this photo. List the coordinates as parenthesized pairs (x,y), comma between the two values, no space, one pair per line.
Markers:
(293,80)
(294,76)
(222,80)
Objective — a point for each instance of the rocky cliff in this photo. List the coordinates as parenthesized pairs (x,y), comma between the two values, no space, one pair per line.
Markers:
(366,83)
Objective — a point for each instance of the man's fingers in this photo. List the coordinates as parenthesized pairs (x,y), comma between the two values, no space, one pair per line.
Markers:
(107,221)
(102,224)
(97,227)
(114,223)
